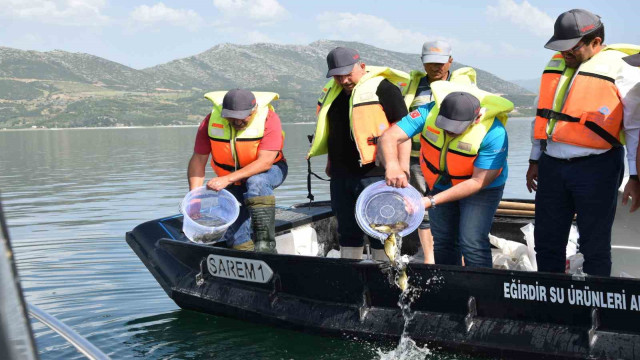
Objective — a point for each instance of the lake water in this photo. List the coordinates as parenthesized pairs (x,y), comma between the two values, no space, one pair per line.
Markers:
(69,197)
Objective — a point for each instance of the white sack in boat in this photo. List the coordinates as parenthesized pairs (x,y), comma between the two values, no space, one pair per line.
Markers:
(572,245)
(513,255)
(302,240)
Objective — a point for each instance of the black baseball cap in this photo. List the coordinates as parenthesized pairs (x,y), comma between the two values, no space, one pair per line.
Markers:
(340,61)
(238,104)
(570,27)
(633,60)
(457,111)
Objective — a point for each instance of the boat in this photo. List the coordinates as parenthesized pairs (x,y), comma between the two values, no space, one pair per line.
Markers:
(504,313)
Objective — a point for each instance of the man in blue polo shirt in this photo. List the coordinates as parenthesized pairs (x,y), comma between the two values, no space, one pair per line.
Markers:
(464,150)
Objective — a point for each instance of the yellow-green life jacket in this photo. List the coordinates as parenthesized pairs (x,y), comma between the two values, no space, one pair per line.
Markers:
(465,75)
(367,119)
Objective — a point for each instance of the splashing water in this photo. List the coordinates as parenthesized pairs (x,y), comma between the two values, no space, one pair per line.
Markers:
(407,349)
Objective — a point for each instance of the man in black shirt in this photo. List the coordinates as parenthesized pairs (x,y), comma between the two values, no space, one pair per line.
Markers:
(357,106)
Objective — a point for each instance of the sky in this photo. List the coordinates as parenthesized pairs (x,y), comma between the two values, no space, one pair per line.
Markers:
(504,37)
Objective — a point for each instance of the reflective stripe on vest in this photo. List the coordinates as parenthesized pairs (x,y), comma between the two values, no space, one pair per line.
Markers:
(582,106)
(453,157)
(367,119)
(232,149)
(465,75)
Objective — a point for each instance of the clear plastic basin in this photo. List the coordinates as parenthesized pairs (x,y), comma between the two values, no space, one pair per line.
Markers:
(208,214)
(386,205)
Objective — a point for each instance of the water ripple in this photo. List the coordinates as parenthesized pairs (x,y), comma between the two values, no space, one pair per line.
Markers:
(69,197)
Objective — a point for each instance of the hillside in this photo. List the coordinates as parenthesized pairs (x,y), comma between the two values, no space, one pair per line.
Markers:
(532,85)
(66,66)
(62,89)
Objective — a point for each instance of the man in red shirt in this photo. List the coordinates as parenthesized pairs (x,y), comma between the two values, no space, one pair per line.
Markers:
(244,136)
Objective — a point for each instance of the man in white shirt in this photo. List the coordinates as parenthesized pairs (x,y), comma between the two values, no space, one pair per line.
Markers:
(634,60)
(588,97)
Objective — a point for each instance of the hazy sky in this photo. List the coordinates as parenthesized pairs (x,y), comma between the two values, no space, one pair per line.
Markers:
(505,37)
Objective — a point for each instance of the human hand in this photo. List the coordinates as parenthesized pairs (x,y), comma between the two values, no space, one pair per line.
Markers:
(327,169)
(632,189)
(395,176)
(532,177)
(218,183)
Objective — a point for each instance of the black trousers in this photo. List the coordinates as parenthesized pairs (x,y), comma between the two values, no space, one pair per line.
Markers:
(345,190)
(589,187)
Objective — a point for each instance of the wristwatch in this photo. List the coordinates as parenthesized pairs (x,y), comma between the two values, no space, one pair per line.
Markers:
(432,200)
(533,162)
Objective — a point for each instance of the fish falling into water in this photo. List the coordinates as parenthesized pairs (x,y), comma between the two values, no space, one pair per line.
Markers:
(391,248)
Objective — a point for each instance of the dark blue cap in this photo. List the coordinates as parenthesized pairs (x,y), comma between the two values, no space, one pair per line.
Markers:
(457,111)
(341,60)
(570,27)
(238,104)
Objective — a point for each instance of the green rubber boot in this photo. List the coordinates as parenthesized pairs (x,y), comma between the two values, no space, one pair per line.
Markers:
(263,222)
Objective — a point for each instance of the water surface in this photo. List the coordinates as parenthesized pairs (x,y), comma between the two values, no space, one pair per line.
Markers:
(70,196)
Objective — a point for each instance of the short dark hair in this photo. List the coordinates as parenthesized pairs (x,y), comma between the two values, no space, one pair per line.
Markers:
(587,39)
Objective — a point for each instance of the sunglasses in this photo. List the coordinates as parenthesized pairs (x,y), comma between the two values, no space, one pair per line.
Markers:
(575,48)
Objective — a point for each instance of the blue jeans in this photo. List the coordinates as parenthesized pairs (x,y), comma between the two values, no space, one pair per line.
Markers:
(261,184)
(345,190)
(588,187)
(463,227)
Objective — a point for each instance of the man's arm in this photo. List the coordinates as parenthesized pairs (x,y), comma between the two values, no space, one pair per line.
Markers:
(628,85)
(534,156)
(201,151)
(391,143)
(632,188)
(638,158)
(196,170)
(261,164)
(404,155)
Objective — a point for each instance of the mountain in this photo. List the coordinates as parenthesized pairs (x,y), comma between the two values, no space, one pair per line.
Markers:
(532,85)
(66,66)
(62,89)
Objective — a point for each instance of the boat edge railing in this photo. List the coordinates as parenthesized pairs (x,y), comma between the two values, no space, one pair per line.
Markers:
(78,341)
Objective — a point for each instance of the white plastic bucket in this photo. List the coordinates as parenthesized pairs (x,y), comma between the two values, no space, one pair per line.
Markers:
(208,214)
(383,204)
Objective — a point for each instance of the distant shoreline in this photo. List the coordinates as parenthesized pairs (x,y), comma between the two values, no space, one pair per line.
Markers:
(168,126)
(99,127)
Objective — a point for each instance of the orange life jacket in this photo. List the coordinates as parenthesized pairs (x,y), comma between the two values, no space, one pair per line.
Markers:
(453,157)
(586,111)
(459,165)
(233,149)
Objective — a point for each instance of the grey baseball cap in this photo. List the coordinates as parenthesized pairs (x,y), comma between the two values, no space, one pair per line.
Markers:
(570,27)
(238,104)
(341,60)
(457,111)
(436,52)
(633,60)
